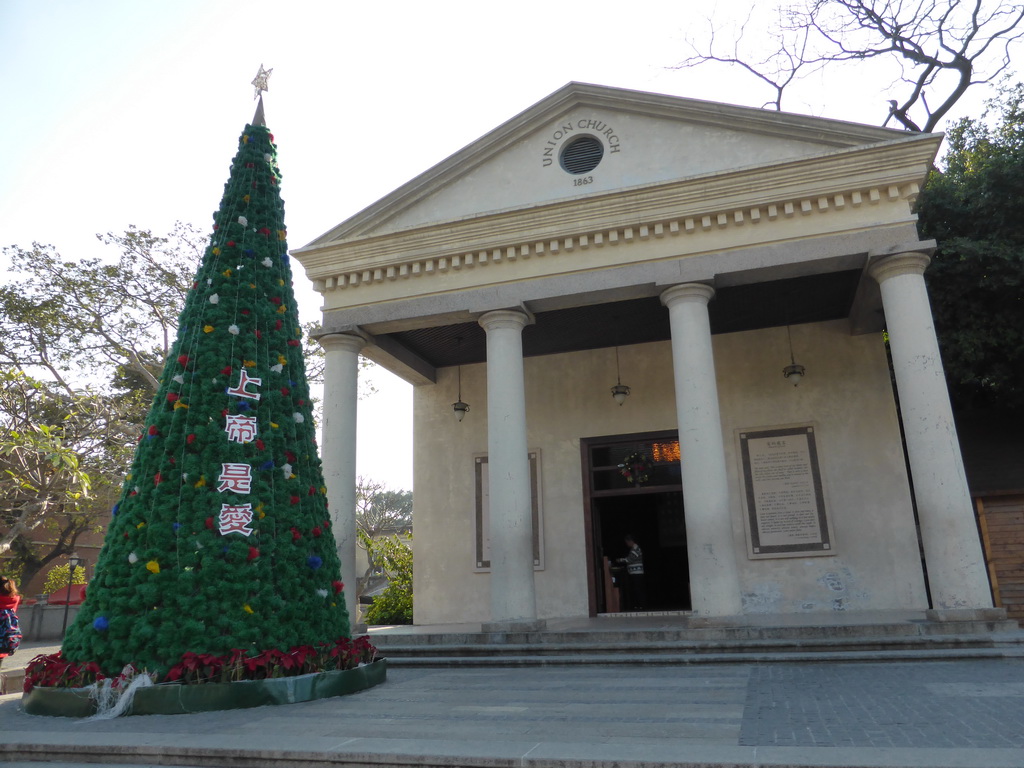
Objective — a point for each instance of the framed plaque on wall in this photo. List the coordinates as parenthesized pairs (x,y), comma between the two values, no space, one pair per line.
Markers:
(783,493)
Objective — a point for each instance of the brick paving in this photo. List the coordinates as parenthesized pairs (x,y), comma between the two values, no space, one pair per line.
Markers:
(941,704)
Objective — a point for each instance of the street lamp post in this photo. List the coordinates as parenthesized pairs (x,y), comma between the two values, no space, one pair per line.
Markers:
(73,562)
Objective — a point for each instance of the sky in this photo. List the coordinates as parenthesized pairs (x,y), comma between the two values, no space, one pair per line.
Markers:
(125,112)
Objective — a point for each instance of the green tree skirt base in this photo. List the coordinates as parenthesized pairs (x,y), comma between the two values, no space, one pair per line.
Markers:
(176,699)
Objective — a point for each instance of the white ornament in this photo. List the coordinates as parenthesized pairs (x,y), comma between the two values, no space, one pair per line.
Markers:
(215,299)
(209,281)
(243,221)
(234,330)
(287,469)
(267,157)
(277,368)
(180,379)
(268,262)
(133,558)
(322,592)
(299,418)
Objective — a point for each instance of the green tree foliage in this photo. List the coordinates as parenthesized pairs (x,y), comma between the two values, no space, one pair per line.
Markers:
(57,578)
(221,537)
(92,315)
(972,207)
(62,456)
(394,557)
(380,510)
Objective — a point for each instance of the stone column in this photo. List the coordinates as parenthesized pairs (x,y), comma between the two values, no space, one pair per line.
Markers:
(513,602)
(714,579)
(957,575)
(338,450)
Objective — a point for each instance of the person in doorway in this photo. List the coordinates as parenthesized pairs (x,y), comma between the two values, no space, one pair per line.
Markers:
(634,562)
(10,598)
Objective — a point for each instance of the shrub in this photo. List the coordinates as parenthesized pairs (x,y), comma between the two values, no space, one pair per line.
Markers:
(57,578)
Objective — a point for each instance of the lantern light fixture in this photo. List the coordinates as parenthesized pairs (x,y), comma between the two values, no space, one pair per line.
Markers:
(459,407)
(620,391)
(794,372)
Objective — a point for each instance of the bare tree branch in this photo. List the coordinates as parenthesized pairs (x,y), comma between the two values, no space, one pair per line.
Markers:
(939,48)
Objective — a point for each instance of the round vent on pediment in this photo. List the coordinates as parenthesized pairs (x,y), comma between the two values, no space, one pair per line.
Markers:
(582,155)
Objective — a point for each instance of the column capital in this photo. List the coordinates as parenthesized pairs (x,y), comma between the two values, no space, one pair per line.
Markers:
(342,342)
(690,292)
(912,263)
(504,318)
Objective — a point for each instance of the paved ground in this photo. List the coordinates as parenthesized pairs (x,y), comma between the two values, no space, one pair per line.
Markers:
(927,714)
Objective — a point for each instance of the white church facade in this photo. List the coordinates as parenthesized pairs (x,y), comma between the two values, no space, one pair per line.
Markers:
(726,273)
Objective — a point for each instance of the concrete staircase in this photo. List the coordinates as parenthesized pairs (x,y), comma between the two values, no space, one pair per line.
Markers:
(681,639)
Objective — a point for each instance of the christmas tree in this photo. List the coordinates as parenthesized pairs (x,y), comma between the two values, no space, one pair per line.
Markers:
(221,539)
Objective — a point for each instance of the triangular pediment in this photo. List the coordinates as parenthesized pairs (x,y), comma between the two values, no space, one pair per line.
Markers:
(641,139)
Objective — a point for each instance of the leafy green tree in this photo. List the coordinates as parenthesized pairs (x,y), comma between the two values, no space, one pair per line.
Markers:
(92,315)
(61,463)
(393,554)
(380,510)
(221,537)
(972,207)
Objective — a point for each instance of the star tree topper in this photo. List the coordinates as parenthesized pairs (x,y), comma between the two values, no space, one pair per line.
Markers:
(260,81)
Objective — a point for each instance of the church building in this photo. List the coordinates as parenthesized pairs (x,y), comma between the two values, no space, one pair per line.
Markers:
(634,314)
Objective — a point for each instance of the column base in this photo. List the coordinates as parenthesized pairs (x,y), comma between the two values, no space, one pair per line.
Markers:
(515,625)
(966,614)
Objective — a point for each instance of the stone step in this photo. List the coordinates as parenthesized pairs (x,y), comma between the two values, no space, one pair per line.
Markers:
(661,647)
(677,659)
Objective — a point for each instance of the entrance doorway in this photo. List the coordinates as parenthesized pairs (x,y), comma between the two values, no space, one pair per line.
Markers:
(633,487)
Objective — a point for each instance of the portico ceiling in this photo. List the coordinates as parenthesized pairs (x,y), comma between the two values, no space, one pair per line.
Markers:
(804,299)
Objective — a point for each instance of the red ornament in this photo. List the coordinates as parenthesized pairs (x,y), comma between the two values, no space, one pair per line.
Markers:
(265,231)
(317,532)
(245,312)
(277,325)
(172,396)
(209,523)
(259,334)
(190,439)
(157,479)
(293,342)
(250,165)
(338,586)
(294,499)
(296,534)
(275,299)
(260,445)
(153,430)
(285,391)
(253,553)
(183,359)
(312,491)
(226,370)
(231,243)
(290,456)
